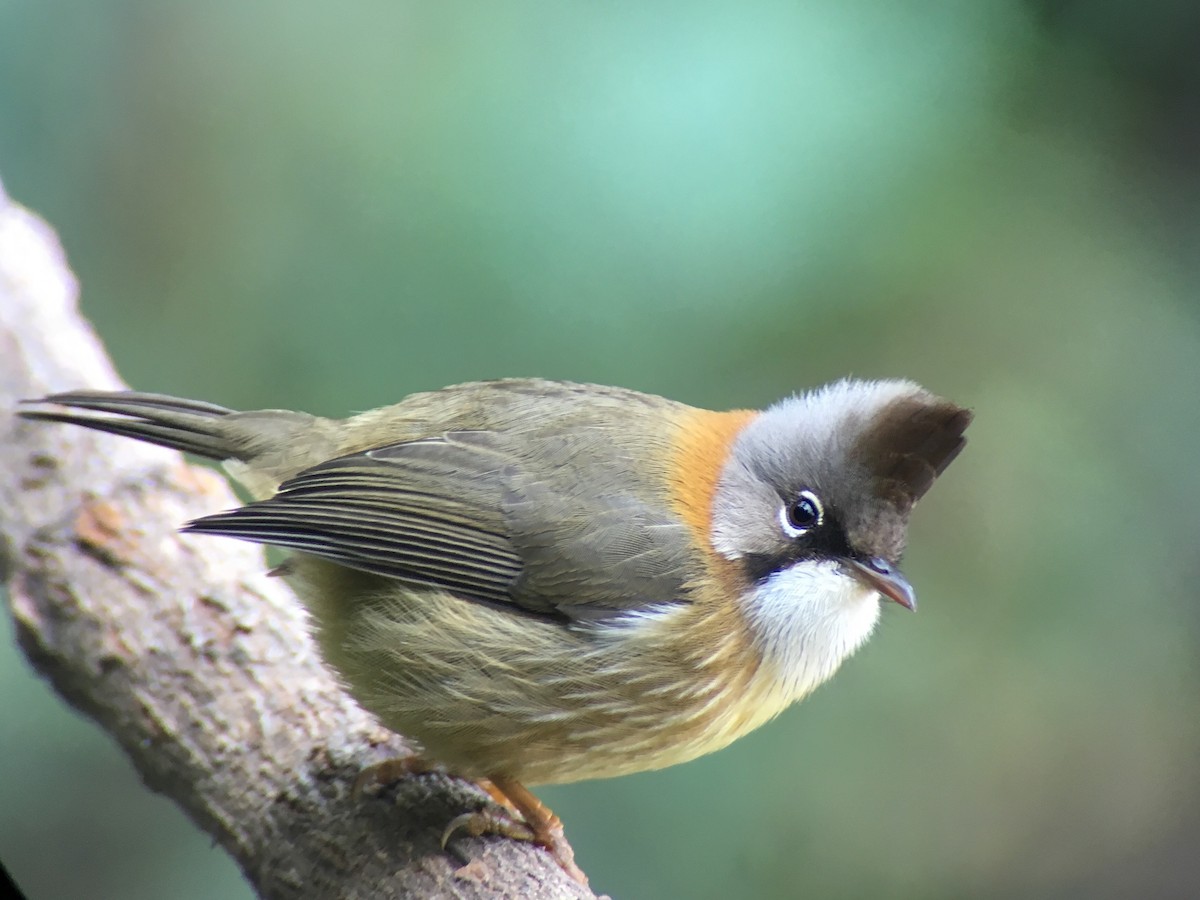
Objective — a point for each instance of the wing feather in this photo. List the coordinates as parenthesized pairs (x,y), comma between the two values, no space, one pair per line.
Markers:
(465,513)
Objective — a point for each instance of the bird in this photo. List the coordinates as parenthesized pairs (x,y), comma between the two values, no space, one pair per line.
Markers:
(542,582)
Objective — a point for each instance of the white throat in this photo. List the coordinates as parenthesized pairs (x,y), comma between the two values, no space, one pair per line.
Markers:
(805,620)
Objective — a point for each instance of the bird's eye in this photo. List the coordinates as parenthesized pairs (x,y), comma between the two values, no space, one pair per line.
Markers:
(802,515)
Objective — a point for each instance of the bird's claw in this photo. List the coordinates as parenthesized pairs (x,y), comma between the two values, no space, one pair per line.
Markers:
(486,821)
(499,822)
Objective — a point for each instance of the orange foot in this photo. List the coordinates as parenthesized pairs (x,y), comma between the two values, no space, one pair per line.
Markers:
(537,823)
(523,817)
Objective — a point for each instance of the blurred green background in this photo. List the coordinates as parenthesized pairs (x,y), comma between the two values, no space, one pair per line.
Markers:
(328,206)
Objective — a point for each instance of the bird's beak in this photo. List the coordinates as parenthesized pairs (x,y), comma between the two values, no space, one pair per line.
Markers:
(880,575)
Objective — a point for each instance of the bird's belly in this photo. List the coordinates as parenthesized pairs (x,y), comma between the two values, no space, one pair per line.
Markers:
(487,692)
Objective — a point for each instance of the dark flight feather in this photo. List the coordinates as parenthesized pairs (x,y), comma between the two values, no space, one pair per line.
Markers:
(461,513)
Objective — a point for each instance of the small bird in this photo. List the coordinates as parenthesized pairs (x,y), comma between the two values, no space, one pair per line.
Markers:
(542,582)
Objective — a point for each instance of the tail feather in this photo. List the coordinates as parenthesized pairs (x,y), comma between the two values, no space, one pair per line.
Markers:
(126,402)
(188,425)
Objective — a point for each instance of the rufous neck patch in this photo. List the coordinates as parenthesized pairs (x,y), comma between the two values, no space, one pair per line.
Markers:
(702,446)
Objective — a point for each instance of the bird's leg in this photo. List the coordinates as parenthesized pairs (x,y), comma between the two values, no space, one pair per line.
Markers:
(497,795)
(537,824)
(522,816)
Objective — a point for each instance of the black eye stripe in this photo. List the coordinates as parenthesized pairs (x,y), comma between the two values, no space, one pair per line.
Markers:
(824,541)
(761,566)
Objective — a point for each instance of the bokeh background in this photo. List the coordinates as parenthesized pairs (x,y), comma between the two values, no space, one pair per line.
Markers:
(326,206)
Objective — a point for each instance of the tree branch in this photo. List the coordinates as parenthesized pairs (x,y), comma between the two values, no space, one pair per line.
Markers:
(199,666)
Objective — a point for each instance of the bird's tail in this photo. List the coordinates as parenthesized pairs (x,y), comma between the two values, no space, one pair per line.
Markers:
(189,425)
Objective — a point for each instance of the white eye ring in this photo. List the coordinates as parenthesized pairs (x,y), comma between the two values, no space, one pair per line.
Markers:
(801,515)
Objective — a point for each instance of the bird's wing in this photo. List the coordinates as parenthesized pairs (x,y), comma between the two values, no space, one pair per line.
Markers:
(462,512)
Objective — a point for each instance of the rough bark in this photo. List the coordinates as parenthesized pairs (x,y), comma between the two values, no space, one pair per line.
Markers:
(198,665)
